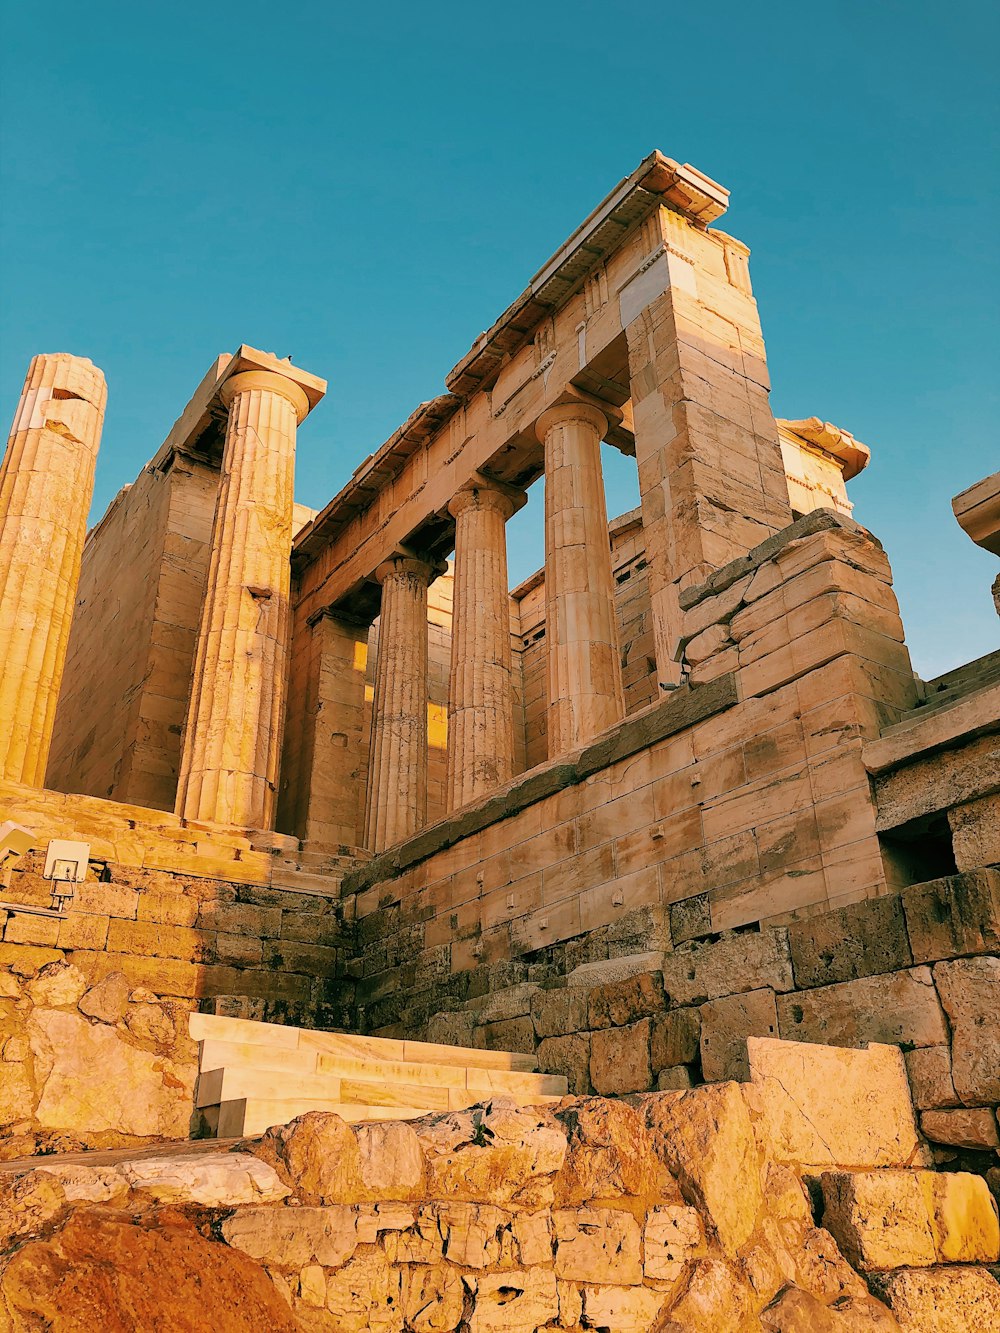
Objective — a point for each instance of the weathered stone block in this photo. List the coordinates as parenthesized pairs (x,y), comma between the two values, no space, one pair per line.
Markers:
(959,914)
(695,972)
(894,1007)
(725,1026)
(929,1072)
(597,1245)
(860,940)
(942,1300)
(691,918)
(706,1138)
(626,1001)
(674,1079)
(619,1059)
(672,1236)
(819,1106)
(569,1056)
(510,1034)
(517,1301)
(625,1309)
(897,1219)
(970,1127)
(970,992)
(674,1038)
(557,1013)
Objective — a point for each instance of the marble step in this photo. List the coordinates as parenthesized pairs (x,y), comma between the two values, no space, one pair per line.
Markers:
(253,1115)
(375,1085)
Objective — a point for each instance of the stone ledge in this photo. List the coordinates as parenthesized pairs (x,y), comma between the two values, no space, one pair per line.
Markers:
(819,520)
(682,709)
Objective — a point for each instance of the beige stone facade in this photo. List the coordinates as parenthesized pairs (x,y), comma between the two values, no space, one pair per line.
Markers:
(670,812)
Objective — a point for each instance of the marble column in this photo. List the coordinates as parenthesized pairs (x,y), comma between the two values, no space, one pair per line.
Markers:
(480,696)
(46,485)
(397,769)
(584,660)
(232,736)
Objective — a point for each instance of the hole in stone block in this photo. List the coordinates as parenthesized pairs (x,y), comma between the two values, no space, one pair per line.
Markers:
(918,850)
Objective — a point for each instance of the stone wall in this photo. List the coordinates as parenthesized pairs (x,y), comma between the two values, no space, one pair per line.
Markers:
(741,799)
(131,649)
(917,969)
(779,1206)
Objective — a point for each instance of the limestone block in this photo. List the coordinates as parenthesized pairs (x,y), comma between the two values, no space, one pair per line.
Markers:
(379,1219)
(58,984)
(108,1000)
(219,1180)
(312,1285)
(605,970)
(929,1071)
(293,1237)
(713,1297)
(959,914)
(942,1300)
(619,1059)
(672,1236)
(968,1128)
(93,1081)
(28,1202)
(697,972)
(568,1056)
(558,1013)
(390,1160)
(364,1296)
(318,1155)
(617,1003)
(88,1184)
(898,1219)
(796,1311)
(625,1309)
(494,1153)
(597,1244)
(511,1002)
(674,1038)
(509,1034)
(970,992)
(725,1026)
(893,1007)
(609,1155)
(820,1106)
(975,826)
(674,1079)
(860,940)
(513,1302)
(17,1096)
(433,1298)
(706,1138)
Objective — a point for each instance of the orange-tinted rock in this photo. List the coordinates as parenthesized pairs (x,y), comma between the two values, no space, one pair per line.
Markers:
(317,1154)
(104,1271)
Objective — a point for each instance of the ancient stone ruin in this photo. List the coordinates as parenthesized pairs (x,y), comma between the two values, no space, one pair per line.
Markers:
(384,948)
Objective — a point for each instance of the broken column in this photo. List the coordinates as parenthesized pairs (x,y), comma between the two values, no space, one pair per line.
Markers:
(397,772)
(232,737)
(481,695)
(46,484)
(584,661)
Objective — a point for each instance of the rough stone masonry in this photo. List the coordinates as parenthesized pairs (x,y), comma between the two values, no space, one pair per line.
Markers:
(409,838)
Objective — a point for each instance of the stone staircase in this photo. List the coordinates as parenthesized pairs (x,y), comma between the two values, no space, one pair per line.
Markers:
(952,687)
(254,1075)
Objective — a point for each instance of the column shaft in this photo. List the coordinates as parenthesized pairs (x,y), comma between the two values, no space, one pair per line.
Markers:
(584,660)
(481,698)
(232,737)
(397,771)
(46,485)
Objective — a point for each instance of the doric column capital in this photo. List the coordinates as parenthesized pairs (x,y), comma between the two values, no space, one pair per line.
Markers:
(266,381)
(482,495)
(403,566)
(574,411)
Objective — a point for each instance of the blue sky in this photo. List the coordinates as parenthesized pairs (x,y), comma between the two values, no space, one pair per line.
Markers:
(366,188)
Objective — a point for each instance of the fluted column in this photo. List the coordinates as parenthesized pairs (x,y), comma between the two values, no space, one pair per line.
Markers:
(46,485)
(480,697)
(232,736)
(584,661)
(397,770)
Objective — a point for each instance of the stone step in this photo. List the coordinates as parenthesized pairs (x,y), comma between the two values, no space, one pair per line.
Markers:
(206,1027)
(986,665)
(374,1084)
(246,1116)
(940,703)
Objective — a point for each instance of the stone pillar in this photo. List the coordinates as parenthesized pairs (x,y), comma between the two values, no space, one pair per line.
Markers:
(46,484)
(232,737)
(397,770)
(711,477)
(584,660)
(480,697)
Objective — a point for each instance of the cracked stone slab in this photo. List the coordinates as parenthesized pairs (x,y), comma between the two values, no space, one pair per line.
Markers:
(822,1106)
